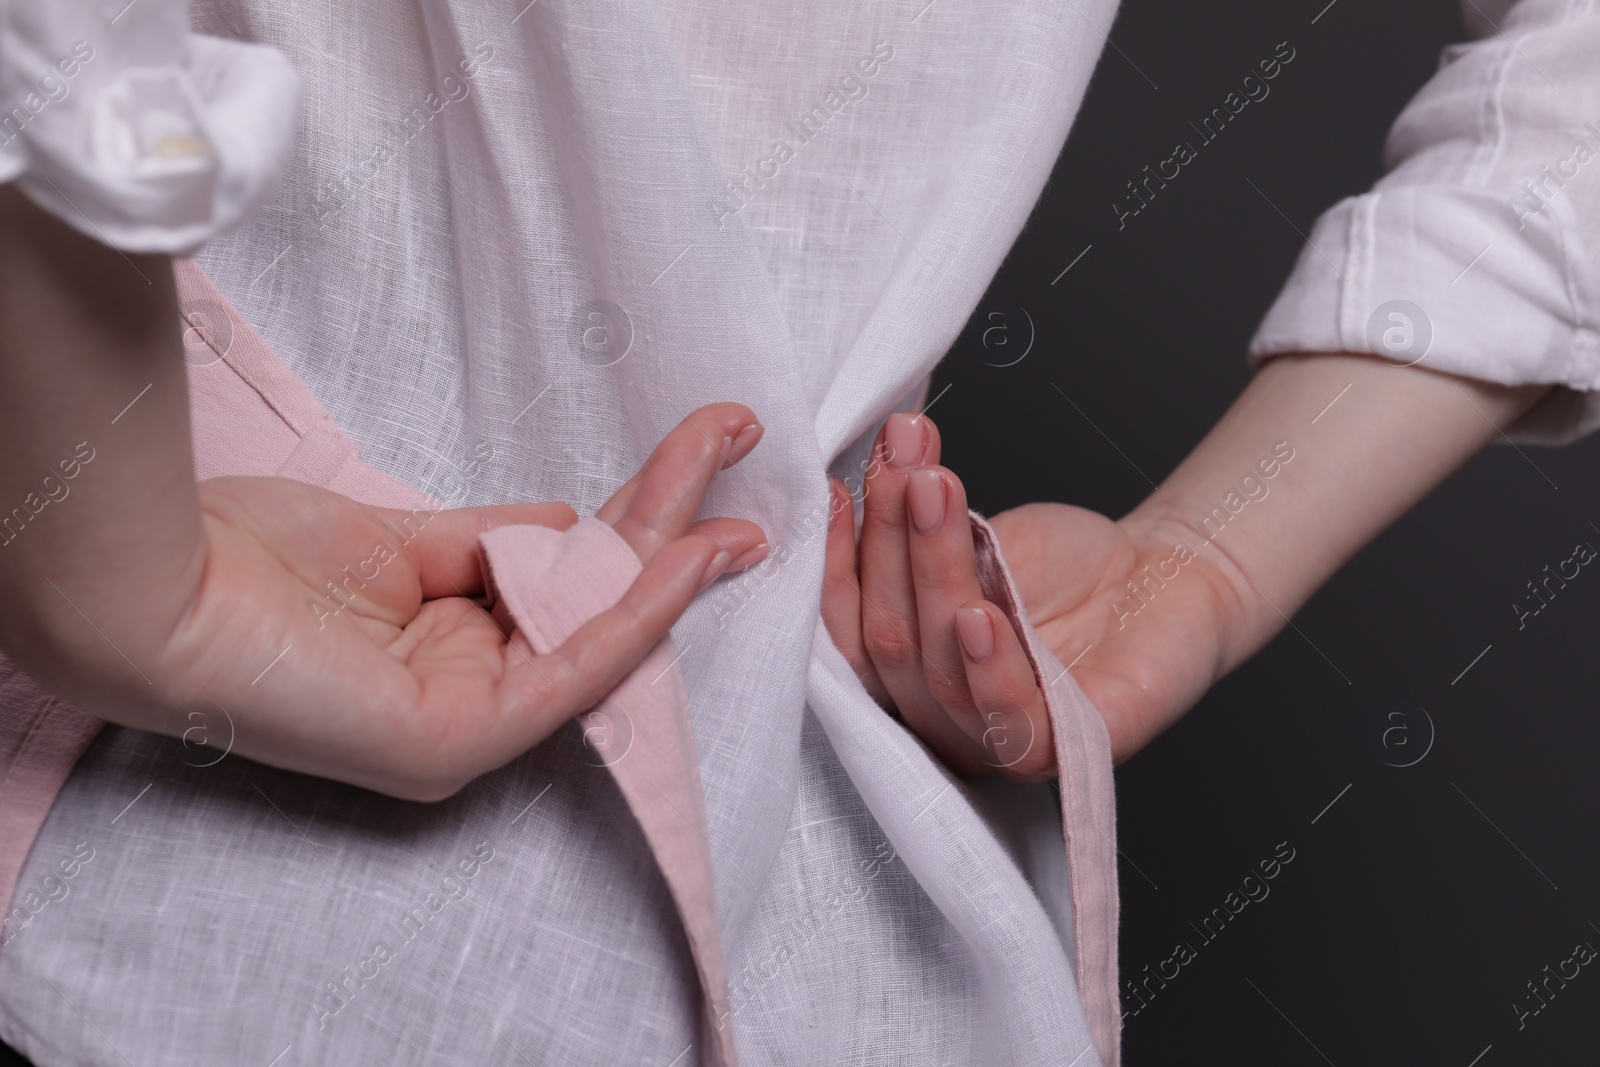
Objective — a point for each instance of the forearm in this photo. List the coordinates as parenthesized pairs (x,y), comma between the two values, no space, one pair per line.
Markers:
(1392,435)
(99,514)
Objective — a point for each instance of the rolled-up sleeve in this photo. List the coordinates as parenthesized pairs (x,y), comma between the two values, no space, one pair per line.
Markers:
(1475,254)
(129,128)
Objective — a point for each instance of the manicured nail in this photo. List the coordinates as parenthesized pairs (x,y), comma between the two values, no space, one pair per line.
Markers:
(749,557)
(714,569)
(742,444)
(977,632)
(907,437)
(927,497)
(838,503)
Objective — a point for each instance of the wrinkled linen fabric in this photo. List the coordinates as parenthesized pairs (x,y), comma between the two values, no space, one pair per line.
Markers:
(252,416)
(552,583)
(516,245)
(1476,253)
(134,131)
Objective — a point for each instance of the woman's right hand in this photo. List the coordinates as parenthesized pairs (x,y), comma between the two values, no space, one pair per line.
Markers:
(906,608)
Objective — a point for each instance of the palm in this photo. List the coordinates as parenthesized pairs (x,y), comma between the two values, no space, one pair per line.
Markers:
(906,608)
(1140,670)
(346,641)
(358,662)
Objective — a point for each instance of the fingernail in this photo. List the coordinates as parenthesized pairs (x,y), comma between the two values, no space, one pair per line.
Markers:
(838,501)
(749,557)
(742,444)
(977,632)
(714,569)
(927,496)
(907,436)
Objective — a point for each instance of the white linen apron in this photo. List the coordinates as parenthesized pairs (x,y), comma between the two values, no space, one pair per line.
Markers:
(436,283)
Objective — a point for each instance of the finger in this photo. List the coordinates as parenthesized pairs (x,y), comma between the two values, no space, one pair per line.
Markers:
(1008,705)
(888,597)
(841,591)
(538,694)
(673,482)
(889,618)
(617,504)
(944,573)
(741,539)
(744,541)
(443,545)
(615,507)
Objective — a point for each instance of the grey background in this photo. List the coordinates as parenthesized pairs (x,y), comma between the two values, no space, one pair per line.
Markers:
(1408,923)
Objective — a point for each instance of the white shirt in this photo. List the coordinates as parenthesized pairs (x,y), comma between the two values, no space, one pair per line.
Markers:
(434,283)
(1475,254)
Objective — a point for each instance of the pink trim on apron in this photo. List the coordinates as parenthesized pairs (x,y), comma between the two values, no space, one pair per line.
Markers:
(1088,802)
(555,582)
(253,416)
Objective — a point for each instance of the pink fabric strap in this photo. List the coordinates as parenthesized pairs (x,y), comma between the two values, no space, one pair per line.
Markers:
(553,583)
(253,416)
(1088,802)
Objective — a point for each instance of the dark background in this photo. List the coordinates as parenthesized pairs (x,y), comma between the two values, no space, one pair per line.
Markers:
(1408,922)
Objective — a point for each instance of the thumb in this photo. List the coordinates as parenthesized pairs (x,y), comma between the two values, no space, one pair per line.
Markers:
(443,544)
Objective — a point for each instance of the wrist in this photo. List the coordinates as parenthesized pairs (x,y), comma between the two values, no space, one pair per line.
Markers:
(1233,618)
(102,538)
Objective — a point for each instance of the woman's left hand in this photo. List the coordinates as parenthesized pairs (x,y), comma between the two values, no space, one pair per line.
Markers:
(911,619)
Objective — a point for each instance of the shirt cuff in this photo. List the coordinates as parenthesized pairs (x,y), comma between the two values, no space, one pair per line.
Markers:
(136,132)
(1448,278)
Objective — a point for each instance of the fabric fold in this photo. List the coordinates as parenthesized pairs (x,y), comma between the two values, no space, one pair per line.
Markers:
(40,739)
(1088,803)
(555,581)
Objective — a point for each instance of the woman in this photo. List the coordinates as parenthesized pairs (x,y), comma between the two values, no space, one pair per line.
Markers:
(435,278)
